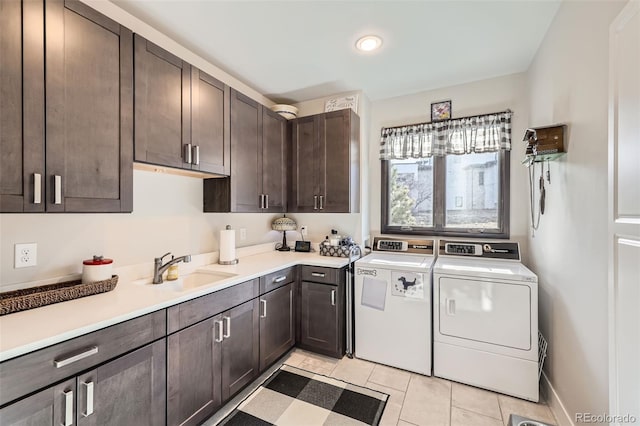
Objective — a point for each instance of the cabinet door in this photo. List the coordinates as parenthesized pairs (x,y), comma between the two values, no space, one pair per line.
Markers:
(277,332)
(22,95)
(162,106)
(130,390)
(337,162)
(304,165)
(319,328)
(274,161)
(210,123)
(193,372)
(53,406)
(89,110)
(246,127)
(240,347)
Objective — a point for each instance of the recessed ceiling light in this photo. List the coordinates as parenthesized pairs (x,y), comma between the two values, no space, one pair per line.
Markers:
(368,43)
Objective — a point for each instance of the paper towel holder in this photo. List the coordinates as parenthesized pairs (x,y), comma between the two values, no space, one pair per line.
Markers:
(228,262)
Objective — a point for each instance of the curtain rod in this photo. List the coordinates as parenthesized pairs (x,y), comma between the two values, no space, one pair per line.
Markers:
(448,119)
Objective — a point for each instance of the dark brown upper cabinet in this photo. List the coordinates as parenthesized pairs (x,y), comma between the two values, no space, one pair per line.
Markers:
(86,118)
(258,162)
(182,113)
(325,173)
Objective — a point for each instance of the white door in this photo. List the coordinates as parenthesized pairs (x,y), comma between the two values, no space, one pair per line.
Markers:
(491,312)
(624,215)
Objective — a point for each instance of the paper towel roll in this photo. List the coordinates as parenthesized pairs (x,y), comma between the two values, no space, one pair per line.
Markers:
(227,246)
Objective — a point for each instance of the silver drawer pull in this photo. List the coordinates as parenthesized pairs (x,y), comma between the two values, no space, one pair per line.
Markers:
(88,388)
(187,153)
(266,204)
(82,355)
(196,155)
(220,330)
(68,408)
(228,333)
(318,274)
(262,201)
(57,193)
(37,188)
(315,202)
(322,202)
(280,279)
(333,298)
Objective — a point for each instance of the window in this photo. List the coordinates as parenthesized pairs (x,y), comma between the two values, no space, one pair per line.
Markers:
(453,195)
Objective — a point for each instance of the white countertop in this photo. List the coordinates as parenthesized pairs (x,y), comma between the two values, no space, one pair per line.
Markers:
(26,331)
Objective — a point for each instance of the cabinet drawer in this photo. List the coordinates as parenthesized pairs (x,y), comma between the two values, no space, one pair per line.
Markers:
(320,274)
(193,311)
(277,279)
(27,373)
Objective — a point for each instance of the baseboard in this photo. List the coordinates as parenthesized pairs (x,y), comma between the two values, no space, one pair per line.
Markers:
(555,403)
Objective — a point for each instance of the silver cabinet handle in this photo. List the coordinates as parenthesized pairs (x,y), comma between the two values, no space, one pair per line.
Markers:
(88,388)
(68,408)
(57,189)
(280,279)
(322,202)
(266,204)
(318,274)
(333,297)
(70,360)
(37,188)
(262,201)
(187,153)
(315,202)
(228,333)
(196,155)
(264,308)
(220,331)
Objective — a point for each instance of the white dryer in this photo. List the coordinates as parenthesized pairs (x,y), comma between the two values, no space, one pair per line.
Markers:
(485,318)
(392,304)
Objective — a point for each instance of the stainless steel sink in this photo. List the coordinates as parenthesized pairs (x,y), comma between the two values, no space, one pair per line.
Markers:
(189,282)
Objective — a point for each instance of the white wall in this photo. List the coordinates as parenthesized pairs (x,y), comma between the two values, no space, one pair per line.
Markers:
(480,97)
(568,84)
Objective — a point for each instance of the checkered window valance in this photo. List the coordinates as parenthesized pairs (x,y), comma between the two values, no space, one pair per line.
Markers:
(481,133)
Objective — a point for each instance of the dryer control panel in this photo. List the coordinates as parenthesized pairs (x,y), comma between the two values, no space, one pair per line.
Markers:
(489,250)
(403,246)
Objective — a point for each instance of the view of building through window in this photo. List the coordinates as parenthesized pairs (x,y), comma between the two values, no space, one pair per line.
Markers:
(471,192)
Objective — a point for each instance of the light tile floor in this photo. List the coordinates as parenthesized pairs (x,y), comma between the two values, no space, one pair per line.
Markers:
(420,400)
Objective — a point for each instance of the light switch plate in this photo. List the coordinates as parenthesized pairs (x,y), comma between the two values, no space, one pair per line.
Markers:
(26,254)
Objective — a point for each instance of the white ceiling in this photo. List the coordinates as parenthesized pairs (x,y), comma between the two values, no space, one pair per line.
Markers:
(293,51)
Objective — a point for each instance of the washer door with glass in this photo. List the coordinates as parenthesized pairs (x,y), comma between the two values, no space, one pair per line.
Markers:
(484,314)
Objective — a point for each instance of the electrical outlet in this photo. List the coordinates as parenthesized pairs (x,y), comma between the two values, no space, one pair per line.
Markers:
(26,255)
(243,234)
(303,230)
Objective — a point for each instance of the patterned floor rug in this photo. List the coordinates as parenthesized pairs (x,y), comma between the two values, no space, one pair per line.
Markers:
(291,396)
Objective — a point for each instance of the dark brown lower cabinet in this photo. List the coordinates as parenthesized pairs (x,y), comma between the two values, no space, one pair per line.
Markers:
(277,329)
(321,318)
(130,390)
(239,348)
(194,372)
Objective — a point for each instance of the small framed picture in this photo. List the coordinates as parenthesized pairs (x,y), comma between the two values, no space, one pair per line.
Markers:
(441,111)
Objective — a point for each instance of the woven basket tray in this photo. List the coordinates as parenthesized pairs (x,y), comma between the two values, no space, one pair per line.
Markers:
(338,251)
(34,297)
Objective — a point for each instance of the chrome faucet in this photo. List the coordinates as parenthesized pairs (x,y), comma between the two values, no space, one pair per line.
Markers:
(159,268)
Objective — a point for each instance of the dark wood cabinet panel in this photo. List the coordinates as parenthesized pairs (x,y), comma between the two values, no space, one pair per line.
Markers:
(273,155)
(210,115)
(162,105)
(194,372)
(45,408)
(322,318)
(325,172)
(89,110)
(22,94)
(130,390)
(240,348)
(277,324)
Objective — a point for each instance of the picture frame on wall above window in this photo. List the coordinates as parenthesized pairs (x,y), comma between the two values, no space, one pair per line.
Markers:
(441,110)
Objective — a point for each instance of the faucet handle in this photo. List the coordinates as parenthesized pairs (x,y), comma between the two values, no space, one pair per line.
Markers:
(187,258)
(162,257)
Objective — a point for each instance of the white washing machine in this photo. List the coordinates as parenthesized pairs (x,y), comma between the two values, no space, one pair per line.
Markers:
(485,318)
(392,304)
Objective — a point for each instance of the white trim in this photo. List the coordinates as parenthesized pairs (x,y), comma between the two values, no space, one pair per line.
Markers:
(555,403)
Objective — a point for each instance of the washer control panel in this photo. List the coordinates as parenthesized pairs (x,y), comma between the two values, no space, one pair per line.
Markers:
(483,249)
(398,245)
(463,248)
